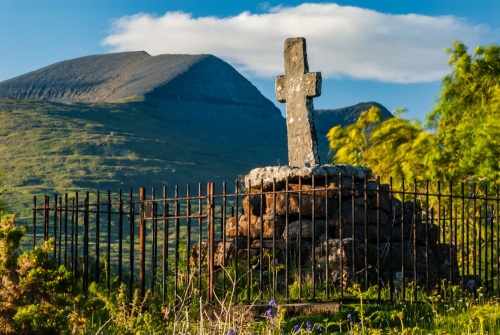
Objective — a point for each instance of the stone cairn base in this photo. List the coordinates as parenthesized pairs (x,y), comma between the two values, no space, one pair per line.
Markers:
(337,220)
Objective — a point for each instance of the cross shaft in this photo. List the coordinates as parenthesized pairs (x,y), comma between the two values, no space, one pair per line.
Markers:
(297,88)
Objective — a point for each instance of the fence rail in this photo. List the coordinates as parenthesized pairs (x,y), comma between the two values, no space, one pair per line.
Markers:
(300,244)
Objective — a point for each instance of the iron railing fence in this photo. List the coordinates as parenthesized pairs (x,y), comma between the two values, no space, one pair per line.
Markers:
(299,244)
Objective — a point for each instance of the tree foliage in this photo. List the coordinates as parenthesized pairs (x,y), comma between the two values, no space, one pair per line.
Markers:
(391,148)
(467,116)
(459,142)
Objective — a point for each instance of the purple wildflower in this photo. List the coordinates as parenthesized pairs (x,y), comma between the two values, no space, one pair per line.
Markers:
(270,313)
(272,303)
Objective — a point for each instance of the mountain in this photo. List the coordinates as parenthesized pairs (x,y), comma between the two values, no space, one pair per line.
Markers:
(131,76)
(126,120)
(328,118)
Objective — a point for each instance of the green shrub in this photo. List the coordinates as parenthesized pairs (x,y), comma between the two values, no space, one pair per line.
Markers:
(36,297)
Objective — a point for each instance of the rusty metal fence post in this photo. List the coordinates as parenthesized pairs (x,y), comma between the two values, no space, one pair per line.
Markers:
(211,231)
(142,242)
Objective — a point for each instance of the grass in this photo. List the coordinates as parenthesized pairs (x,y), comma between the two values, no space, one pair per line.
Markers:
(443,311)
(48,148)
(466,316)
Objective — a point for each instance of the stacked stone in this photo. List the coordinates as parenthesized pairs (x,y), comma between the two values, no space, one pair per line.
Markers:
(332,223)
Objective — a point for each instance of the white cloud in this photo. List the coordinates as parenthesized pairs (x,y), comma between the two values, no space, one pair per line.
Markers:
(341,40)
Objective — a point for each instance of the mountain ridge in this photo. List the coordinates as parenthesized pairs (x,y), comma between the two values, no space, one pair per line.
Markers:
(114,77)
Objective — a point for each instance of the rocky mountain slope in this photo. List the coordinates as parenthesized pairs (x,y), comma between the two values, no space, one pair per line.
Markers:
(99,78)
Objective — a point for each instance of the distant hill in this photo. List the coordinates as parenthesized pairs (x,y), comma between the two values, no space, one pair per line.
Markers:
(125,120)
(328,118)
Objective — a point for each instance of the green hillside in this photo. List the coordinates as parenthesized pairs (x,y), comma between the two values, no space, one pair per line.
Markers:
(49,148)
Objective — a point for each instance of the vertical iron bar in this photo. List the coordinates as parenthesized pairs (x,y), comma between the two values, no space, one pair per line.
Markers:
(455,253)
(142,242)
(275,271)
(432,220)
(55,227)
(248,271)
(452,243)
(468,236)
(108,256)
(353,227)
(365,228)
(391,270)
(66,230)
(479,242)
(474,241)
(486,237)
(463,225)
(223,230)
(131,218)
(34,222)
(200,235)
(427,284)
(154,243)
(440,230)
(77,214)
(327,214)
(177,215)
(164,246)
(287,256)
(72,251)
(46,219)
(403,264)
(211,230)
(188,233)
(313,253)
(474,236)
(120,237)
(261,238)
(74,235)
(492,248)
(97,236)
(60,229)
(86,242)
(497,219)
(414,223)
(300,238)
(341,275)
(378,241)
(236,234)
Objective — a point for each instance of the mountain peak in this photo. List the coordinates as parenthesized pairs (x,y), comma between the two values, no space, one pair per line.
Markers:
(113,77)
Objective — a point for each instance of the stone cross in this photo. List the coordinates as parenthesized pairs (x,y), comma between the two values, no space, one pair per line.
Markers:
(297,88)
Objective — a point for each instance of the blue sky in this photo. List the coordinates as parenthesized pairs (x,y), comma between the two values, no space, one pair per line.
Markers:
(392,52)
